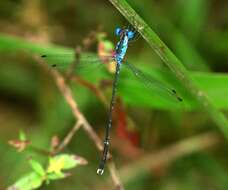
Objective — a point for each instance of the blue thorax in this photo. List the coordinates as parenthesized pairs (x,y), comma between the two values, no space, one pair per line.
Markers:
(121,48)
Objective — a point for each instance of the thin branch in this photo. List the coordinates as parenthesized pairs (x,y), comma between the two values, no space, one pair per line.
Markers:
(172,62)
(92,88)
(67,94)
(65,90)
(68,137)
(167,155)
(115,178)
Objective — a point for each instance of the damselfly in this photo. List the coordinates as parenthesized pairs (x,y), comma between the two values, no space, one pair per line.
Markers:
(126,35)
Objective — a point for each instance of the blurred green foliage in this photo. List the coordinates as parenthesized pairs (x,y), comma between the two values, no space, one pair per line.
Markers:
(196,31)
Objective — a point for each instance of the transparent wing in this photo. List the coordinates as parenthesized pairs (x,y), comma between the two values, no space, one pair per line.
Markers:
(85,61)
(154,84)
(91,62)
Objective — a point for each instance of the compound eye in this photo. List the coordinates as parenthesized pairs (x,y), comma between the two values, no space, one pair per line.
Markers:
(118,31)
(130,34)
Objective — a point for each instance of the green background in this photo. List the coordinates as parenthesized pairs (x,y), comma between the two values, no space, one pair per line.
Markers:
(195,30)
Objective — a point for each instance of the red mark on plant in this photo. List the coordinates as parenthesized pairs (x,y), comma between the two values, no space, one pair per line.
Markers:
(162,48)
(19,144)
(123,130)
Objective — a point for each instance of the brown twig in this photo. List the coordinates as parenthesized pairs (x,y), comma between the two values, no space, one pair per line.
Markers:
(115,178)
(68,137)
(92,88)
(67,94)
(169,154)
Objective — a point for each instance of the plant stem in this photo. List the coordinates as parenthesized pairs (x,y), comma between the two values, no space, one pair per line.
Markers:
(172,62)
(81,120)
(164,157)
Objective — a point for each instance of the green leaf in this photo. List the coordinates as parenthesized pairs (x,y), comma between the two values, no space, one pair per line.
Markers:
(55,176)
(207,81)
(214,84)
(37,167)
(198,97)
(29,181)
(64,161)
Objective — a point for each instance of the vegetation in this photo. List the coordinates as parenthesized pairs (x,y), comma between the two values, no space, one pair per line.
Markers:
(53,119)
